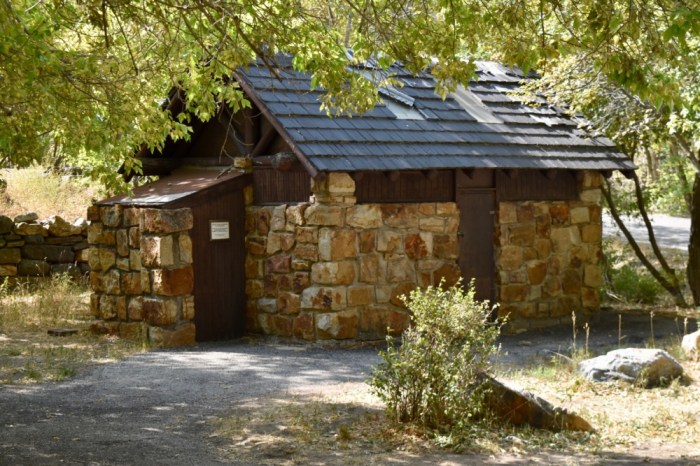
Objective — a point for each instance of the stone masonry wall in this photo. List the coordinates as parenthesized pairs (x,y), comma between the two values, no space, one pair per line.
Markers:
(33,248)
(330,269)
(548,257)
(141,273)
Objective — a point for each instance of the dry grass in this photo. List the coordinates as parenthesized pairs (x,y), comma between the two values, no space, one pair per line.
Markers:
(345,424)
(28,354)
(34,190)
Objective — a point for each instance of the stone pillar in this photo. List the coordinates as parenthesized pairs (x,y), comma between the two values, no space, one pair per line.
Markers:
(141,273)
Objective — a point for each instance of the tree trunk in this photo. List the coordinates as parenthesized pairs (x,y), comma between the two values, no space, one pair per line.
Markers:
(666,277)
(693,270)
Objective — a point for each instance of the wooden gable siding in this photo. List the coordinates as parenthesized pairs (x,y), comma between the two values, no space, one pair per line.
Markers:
(409,186)
(272,186)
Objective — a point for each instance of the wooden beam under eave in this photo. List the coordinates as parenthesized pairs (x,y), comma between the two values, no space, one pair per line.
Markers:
(393,175)
(629,174)
(430,174)
(469,172)
(263,143)
(510,173)
(549,174)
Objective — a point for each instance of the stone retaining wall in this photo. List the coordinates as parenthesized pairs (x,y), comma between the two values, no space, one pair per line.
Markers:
(548,257)
(141,273)
(330,269)
(33,248)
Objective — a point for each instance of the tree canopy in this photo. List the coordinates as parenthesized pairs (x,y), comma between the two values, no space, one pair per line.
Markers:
(87,80)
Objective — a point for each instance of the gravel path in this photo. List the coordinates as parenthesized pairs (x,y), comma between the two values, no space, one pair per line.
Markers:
(154,408)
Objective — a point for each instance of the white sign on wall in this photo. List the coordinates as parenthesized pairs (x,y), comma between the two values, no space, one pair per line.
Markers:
(218,230)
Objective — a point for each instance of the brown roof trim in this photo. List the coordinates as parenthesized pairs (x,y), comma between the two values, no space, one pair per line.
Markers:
(250,92)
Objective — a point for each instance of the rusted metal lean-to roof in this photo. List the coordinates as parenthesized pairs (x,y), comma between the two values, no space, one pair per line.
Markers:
(174,187)
(482,126)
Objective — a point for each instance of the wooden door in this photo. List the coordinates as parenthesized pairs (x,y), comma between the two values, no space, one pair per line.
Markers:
(476,239)
(219,265)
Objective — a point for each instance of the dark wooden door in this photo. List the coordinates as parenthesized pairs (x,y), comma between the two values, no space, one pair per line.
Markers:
(219,266)
(476,239)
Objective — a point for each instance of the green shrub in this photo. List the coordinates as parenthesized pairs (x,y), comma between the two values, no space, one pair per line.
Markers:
(432,378)
(634,286)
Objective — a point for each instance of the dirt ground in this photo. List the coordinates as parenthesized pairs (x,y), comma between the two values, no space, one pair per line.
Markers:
(272,402)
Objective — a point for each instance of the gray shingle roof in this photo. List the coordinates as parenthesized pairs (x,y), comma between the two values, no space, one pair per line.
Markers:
(487,127)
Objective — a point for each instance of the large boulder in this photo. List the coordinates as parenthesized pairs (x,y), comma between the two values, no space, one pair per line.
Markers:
(691,344)
(524,408)
(644,366)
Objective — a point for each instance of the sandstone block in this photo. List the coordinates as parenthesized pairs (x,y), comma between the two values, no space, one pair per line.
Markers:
(49,253)
(333,273)
(360,295)
(383,293)
(513,293)
(57,226)
(591,196)
(288,303)
(340,184)
(507,213)
(130,216)
(415,247)
(559,213)
(277,242)
(426,209)
(164,221)
(278,219)
(108,307)
(134,260)
(111,216)
(10,256)
(30,229)
(324,215)
(33,268)
(592,233)
(378,320)
(525,213)
(157,251)
(161,311)
(389,241)
(400,215)
(580,215)
(446,208)
(337,244)
(278,264)
(536,272)
(364,216)
(268,305)
(134,331)
(122,243)
(571,281)
(337,325)
(445,246)
(182,335)
(256,246)
(300,281)
(400,293)
(295,214)
(188,308)
(324,298)
(521,234)
(306,234)
(93,213)
(449,274)
(262,221)
(590,299)
(131,283)
(433,224)
(303,327)
(145,281)
(510,258)
(134,308)
(367,241)
(563,239)
(173,282)
(8,270)
(400,269)
(592,276)
(185,248)
(691,344)
(134,237)
(372,268)
(6,224)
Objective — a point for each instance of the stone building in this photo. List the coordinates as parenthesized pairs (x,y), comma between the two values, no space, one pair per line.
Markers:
(337,218)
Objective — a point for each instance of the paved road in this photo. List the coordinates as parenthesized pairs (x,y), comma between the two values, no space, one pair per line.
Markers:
(671,232)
